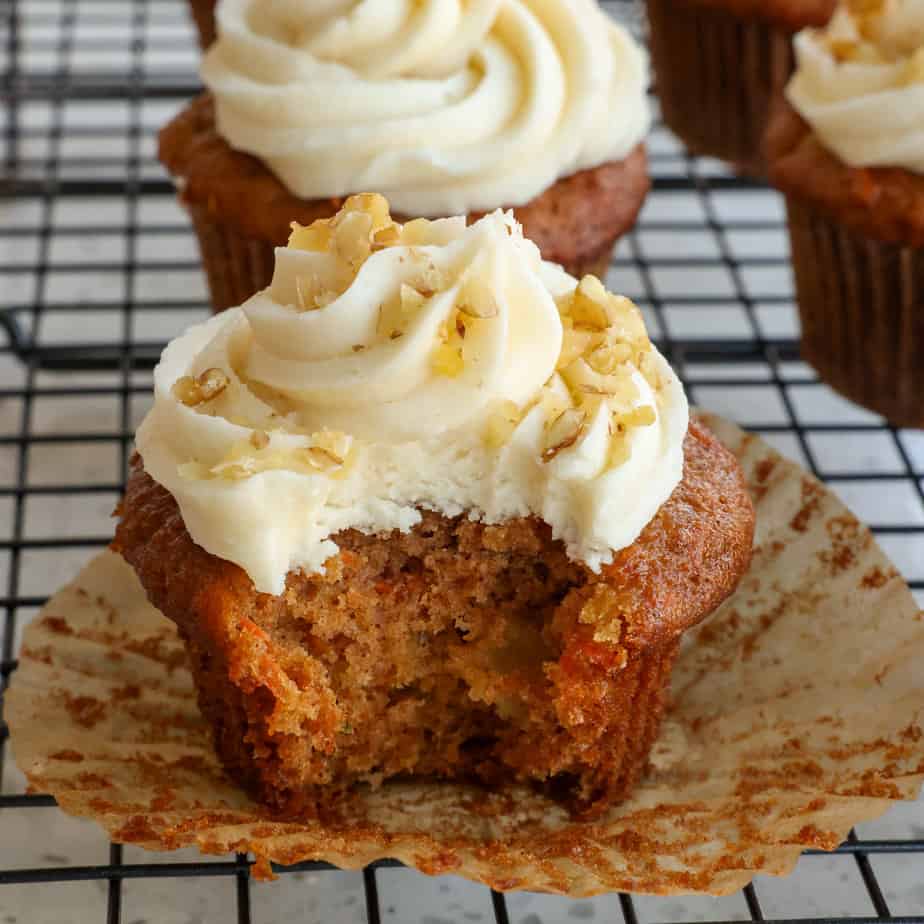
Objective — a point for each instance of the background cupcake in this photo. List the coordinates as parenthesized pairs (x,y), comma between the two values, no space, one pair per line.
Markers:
(719,64)
(539,107)
(203,16)
(848,152)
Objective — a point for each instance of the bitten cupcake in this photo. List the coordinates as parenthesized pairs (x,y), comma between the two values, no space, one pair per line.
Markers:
(719,65)
(429,507)
(540,107)
(847,150)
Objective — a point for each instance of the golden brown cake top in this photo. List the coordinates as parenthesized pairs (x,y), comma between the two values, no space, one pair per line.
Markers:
(391,368)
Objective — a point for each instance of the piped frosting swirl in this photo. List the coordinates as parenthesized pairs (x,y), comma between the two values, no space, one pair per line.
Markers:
(445,106)
(859,83)
(391,368)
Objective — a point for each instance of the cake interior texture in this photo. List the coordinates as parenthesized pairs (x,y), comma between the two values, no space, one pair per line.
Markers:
(457,650)
(454,650)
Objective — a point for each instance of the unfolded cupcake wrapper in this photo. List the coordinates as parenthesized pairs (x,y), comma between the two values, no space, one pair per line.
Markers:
(717,77)
(797,713)
(203,14)
(236,265)
(860,303)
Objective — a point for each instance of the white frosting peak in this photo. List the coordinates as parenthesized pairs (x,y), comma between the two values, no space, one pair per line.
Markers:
(445,106)
(391,368)
(859,83)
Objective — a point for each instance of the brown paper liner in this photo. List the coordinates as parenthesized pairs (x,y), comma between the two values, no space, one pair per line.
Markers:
(203,14)
(717,76)
(861,302)
(237,265)
(797,714)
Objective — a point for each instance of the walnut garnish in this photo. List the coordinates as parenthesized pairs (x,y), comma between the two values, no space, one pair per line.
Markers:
(388,236)
(259,439)
(206,386)
(562,432)
(608,357)
(589,304)
(477,301)
(329,450)
(315,237)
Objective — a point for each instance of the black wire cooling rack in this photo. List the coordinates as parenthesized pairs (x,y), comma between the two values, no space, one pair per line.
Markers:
(98,268)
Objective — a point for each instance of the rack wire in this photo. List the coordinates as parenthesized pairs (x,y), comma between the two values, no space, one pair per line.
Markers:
(98,269)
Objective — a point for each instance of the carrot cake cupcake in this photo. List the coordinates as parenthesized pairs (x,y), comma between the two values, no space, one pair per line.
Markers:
(427,506)
(720,64)
(539,107)
(847,150)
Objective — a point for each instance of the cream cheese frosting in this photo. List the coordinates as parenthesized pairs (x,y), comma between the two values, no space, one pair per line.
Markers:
(392,368)
(445,106)
(859,83)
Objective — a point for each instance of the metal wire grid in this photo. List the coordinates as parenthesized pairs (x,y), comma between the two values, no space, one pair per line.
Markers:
(86,218)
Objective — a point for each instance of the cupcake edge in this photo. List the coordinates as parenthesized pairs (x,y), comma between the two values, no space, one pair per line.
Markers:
(241,210)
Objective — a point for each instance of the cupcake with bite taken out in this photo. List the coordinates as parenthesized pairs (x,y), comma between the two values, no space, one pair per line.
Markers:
(446,108)
(427,506)
(847,151)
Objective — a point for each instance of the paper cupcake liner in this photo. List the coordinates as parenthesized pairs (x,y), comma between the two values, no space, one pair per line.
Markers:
(797,713)
(203,14)
(860,302)
(717,76)
(236,265)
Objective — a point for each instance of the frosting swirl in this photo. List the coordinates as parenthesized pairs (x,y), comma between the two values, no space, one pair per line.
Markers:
(389,368)
(445,106)
(859,83)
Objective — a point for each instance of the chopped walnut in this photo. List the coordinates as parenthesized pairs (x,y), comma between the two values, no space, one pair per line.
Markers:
(563,432)
(206,386)
(476,300)
(374,205)
(588,307)
(329,450)
(315,237)
(259,439)
(388,236)
(353,238)
(608,357)
(415,232)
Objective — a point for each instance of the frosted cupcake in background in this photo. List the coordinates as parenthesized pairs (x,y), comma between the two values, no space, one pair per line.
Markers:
(719,65)
(446,108)
(847,150)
